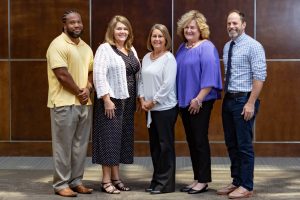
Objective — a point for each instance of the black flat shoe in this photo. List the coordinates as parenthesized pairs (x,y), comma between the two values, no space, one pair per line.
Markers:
(185,189)
(192,191)
(155,192)
(151,187)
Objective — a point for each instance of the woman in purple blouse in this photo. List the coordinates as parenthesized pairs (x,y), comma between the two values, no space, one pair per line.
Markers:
(199,84)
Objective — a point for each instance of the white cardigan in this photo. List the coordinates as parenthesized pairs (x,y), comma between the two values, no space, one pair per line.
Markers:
(109,73)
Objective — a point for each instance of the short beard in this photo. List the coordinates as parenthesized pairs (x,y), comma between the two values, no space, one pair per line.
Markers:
(74,35)
(234,34)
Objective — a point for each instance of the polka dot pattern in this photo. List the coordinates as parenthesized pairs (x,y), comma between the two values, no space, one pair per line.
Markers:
(113,139)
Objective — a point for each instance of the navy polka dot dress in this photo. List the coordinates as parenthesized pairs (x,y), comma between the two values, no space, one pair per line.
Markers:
(113,139)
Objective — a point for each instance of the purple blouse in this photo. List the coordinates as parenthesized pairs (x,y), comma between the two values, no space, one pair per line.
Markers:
(197,68)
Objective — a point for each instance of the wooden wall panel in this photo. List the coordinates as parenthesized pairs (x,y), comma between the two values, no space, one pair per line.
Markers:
(215,12)
(34,24)
(4,29)
(5,101)
(278,27)
(278,118)
(30,115)
(25,149)
(141,14)
(215,131)
(179,130)
(140,128)
(277,149)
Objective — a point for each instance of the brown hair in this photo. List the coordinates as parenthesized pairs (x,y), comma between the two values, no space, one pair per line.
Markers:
(165,33)
(241,14)
(109,35)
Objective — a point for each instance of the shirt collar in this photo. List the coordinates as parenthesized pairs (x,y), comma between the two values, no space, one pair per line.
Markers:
(68,40)
(240,38)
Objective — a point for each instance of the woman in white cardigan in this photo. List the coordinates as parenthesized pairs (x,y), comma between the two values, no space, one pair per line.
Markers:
(157,92)
(115,67)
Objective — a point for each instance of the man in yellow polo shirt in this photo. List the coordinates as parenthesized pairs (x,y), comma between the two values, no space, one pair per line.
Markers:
(70,61)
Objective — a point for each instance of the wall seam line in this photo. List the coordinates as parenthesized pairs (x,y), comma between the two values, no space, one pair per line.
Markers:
(9,66)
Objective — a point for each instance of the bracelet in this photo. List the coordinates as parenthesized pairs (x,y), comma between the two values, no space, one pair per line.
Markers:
(199,102)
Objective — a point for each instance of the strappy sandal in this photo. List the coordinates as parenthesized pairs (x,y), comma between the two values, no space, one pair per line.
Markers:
(105,186)
(120,185)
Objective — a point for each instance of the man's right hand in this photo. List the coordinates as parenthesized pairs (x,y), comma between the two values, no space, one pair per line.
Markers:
(83,96)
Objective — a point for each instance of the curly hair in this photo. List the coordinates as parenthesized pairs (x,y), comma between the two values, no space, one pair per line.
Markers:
(200,21)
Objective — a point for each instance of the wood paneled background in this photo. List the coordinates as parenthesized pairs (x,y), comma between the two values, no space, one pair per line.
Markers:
(29,26)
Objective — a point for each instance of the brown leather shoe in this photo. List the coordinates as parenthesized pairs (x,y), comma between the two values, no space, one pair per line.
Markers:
(66,192)
(239,193)
(82,190)
(226,190)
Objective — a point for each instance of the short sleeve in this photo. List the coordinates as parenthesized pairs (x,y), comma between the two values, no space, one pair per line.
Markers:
(57,56)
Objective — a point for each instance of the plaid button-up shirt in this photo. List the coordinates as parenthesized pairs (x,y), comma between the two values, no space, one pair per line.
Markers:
(248,63)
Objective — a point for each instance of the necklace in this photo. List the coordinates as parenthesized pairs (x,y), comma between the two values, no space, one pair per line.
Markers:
(154,56)
(189,46)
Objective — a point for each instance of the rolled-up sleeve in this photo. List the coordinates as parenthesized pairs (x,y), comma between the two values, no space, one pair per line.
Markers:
(258,62)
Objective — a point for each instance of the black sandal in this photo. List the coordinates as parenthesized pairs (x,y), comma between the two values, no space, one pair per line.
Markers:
(120,185)
(105,186)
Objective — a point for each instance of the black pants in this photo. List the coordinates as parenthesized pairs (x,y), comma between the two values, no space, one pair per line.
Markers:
(161,135)
(196,130)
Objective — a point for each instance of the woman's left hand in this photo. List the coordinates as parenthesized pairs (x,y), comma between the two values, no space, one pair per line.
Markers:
(147,105)
(194,107)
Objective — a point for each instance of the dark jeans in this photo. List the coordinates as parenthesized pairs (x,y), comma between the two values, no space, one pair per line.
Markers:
(161,135)
(238,139)
(196,130)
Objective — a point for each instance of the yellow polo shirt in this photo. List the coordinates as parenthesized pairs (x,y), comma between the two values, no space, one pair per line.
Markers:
(77,58)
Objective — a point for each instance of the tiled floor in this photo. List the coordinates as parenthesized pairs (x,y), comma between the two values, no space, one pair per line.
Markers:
(30,178)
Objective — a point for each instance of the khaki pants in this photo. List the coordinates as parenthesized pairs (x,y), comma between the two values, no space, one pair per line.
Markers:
(70,127)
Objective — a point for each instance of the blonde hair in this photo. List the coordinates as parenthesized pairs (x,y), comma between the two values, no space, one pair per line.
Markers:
(200,21)
(109,35)
(166,34)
